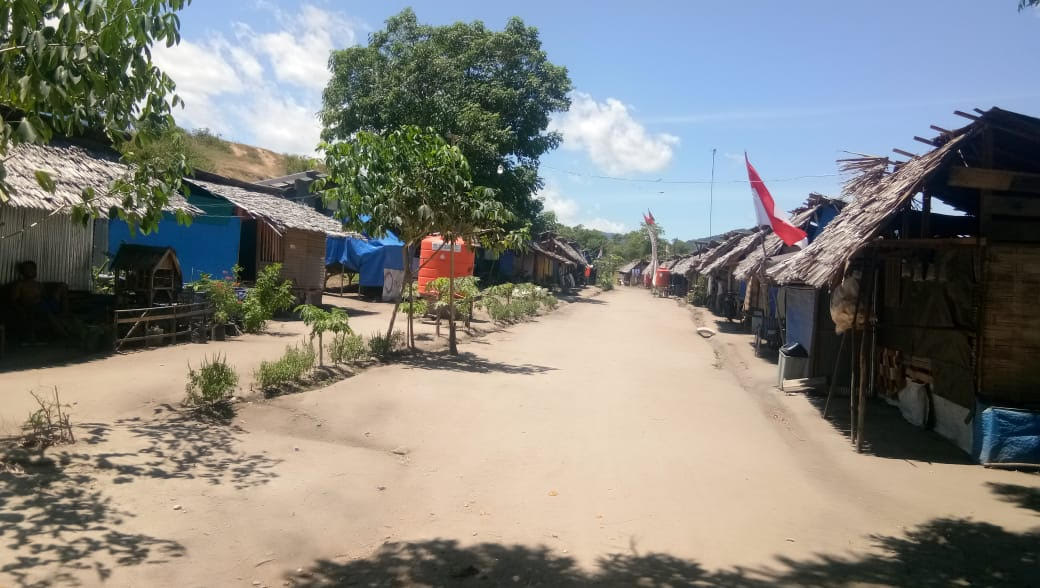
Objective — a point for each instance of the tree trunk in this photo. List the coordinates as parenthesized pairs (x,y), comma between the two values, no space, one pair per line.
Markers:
(321,349)
(406,282)
(453,347)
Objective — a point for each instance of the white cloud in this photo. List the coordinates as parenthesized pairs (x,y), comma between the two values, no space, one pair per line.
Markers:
(602,224)
(611,137)
(568,211)
(260,87)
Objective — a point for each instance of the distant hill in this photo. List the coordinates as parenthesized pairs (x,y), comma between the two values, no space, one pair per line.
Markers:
(211,152)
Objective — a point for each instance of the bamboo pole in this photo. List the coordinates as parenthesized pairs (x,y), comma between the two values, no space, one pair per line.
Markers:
(834,374)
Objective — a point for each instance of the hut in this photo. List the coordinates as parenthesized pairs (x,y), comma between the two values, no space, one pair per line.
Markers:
(37,225)
(276,230)
(939,309)
(719,284)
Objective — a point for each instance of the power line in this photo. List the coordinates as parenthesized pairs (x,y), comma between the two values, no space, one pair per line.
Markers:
(664,181)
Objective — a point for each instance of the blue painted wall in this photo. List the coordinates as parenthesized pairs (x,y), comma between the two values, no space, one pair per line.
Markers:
(209,245)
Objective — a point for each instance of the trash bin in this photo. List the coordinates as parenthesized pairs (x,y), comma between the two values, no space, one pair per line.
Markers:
(794,361)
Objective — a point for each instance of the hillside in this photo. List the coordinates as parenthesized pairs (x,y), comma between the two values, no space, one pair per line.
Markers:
(212,153)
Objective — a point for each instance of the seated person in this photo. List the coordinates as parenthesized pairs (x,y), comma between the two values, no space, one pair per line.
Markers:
(32,306)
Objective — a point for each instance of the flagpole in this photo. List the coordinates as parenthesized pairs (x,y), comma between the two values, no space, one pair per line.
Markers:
(711,191)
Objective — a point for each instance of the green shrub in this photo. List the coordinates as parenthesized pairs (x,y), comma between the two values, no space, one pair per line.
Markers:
(381,347)
(294,364)
(418,306)
(465,291)
(347,348)
(323,321)
(221,294)
(211,384)
(271,294)
(510,302)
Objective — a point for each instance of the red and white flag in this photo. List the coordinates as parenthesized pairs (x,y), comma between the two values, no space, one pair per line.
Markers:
(765,210)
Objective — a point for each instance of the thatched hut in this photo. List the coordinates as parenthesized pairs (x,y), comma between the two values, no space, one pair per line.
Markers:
(944,303)
(276,230)
(37,225)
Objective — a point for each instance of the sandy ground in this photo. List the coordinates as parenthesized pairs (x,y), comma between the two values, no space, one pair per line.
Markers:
(603,444)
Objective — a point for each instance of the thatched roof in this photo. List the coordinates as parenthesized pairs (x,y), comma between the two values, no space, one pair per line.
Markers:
(878,198)
(744,246)
(800,217)
(539,249)
(730,240)
(278,212)
(684,264)
(630,266)
(570,252)
(73,168)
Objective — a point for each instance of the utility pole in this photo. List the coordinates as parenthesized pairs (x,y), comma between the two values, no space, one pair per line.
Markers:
(711,191)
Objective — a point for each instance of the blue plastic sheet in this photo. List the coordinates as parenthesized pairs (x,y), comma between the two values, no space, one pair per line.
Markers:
(366,258)
(800,304)
(1006,435)
(207,246)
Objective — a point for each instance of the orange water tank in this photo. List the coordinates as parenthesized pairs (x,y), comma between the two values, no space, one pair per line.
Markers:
(662,278)
(435,260)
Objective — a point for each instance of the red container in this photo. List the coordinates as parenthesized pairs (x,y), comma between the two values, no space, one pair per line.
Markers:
(662,278)
(435,260)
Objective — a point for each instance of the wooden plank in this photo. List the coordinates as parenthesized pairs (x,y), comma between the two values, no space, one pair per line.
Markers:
(994,179)
(161,317)
(925,243)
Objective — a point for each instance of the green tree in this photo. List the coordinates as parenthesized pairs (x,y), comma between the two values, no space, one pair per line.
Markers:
(399,180)
(72,66)
(488,92)
(321,321)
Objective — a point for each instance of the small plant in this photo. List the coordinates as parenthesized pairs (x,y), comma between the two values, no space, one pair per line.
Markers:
(269,295)
(412,303)
(381,347)
(510,302)
(47,425)
(466,291)
(294,364)
(347,348)
(211,385)
(222,295)
(321,321)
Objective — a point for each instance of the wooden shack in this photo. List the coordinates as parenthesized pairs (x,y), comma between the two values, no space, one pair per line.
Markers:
(277,230)
(945,300)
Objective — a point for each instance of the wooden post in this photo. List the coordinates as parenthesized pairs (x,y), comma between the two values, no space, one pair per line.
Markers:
(862,383)
(872,321)
(926,215)
(834,374)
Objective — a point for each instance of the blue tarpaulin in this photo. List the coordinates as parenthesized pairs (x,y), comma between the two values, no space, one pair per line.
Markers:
(799,312)
(368,259)
(1006,435)
(207,246)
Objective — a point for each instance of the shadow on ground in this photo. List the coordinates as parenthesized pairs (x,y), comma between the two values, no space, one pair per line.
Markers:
(942,552)
(1022,496)
(467,362)
(887,434)
(57,524)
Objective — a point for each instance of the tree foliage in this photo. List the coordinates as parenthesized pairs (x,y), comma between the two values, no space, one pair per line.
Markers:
(69,67)
(414,183)
(490,93)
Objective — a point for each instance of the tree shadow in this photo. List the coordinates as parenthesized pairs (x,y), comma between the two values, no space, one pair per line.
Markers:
(941,552)
(53,521)
(181,446)
(466,362)
(887,434)
(1022,496)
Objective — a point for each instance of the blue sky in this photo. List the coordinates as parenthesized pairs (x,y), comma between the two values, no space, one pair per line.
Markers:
(658,85)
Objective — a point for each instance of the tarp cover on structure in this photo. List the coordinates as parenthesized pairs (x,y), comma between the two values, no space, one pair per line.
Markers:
(369,259)
(1006,435)
(800,307)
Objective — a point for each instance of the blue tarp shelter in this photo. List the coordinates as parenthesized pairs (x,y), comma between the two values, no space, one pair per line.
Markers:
(369,259)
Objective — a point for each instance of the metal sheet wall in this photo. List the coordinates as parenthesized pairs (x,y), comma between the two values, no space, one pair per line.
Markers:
(60,247)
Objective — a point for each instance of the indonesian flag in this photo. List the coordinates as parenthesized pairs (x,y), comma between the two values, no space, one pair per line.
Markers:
(649,217)
(765,210)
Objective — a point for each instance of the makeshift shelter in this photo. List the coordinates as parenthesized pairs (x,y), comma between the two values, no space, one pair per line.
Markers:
(37,225)
(942,303)
(277,230)
(378,262)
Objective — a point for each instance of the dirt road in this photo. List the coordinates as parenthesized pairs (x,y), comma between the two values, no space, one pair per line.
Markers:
(605,443)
